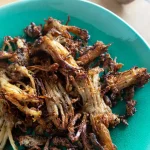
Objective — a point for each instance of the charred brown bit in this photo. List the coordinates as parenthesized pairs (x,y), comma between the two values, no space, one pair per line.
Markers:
(109,64)
(130,107)
(33,31)
(93,53)
(59,141)
(3,64)
(32,141)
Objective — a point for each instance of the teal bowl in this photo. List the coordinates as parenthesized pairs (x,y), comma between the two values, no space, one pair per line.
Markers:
(127,45)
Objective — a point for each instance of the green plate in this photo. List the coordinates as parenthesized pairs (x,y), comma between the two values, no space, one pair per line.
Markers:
(127,45)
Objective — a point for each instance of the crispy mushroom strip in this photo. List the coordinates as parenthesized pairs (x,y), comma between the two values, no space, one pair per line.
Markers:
(98,49)
(32,141)
(6,55)
(58,104)
(133,77)
(17,50)
(64,29)
(109,64)
(19,97)
(7,121)
(101,116)
(59,54)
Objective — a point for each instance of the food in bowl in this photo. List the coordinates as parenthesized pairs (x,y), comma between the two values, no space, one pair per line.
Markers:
(63,89)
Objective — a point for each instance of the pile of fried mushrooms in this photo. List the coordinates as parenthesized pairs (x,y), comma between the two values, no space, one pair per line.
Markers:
(57,91)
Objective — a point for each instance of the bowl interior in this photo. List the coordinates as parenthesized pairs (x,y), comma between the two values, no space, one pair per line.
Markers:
(127,46)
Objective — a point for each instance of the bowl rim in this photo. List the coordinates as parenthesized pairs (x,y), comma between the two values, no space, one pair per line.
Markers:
(95,5)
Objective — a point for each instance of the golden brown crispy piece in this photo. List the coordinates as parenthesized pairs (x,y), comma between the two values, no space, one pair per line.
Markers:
(98,49)
(82,33)
(20,97)
(103,134)
(101,115)
(15,69)
(133,77)
(3,64)
(130,103)
(58,103)
(6,55)
(16,92)
(58,53)
(64,29)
